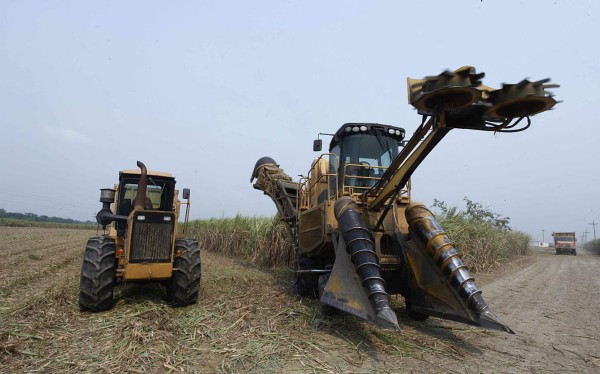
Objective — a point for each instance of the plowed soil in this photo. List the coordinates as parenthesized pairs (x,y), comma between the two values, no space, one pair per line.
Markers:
(247,320)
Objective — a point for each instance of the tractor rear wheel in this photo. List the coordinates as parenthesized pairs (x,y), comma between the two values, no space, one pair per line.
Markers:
(306,284)
(97,275)
(415,316)
(184,285)
(326,310)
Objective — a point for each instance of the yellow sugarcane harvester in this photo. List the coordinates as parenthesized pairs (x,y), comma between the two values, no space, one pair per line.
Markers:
(358,235)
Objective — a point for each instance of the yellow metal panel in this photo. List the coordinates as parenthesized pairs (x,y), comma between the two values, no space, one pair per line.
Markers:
(311,228)
(401,218)
(148,271)
(318,182)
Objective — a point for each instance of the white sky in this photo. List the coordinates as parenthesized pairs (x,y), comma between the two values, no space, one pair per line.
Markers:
(203,89)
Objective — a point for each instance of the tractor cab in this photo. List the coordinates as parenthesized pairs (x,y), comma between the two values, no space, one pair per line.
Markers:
(159,193)
(360,153)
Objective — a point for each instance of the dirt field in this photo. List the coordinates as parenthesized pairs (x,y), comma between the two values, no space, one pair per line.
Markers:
(247,320)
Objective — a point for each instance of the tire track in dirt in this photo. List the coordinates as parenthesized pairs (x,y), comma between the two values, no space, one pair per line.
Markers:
(25,288)
(247,318)
(552,305)
(25,275)
(17,241)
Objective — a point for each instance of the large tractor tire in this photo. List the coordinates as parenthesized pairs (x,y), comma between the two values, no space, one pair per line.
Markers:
(415,316)
(306,285)
(184,285)
(326,310)
(97,275)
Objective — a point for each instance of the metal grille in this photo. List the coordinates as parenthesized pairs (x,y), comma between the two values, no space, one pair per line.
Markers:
(151,241)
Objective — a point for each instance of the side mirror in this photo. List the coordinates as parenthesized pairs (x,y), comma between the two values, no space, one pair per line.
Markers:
(317,145)
(186,193)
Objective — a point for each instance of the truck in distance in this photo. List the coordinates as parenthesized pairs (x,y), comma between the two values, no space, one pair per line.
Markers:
(565,242)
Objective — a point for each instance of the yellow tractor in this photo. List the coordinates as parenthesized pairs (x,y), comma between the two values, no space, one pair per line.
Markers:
(142,244)
(358,235)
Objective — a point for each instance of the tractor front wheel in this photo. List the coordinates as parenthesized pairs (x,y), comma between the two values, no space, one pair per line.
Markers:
(416,316)
(306,284)
(326,310)
(97,275)
(184,285)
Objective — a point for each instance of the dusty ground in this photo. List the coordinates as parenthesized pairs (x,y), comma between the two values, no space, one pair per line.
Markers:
(552,303)
(248,321)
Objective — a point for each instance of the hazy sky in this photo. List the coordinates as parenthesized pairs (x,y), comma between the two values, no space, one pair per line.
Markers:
(203,89)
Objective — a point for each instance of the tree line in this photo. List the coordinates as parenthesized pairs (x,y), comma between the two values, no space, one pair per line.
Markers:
(35,218)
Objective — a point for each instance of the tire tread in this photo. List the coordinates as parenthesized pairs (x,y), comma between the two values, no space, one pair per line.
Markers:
(184,285)
(97,275)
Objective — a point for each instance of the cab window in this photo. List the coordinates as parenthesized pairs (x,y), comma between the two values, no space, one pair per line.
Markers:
(154,193)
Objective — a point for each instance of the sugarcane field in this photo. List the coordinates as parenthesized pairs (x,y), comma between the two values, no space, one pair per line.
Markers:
(247,319)
(299,187)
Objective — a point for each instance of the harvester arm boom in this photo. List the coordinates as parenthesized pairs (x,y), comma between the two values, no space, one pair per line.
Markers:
(425,138)
(458,99)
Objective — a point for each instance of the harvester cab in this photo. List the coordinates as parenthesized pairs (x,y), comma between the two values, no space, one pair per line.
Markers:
(359,154)
(358,235)
(143,243)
